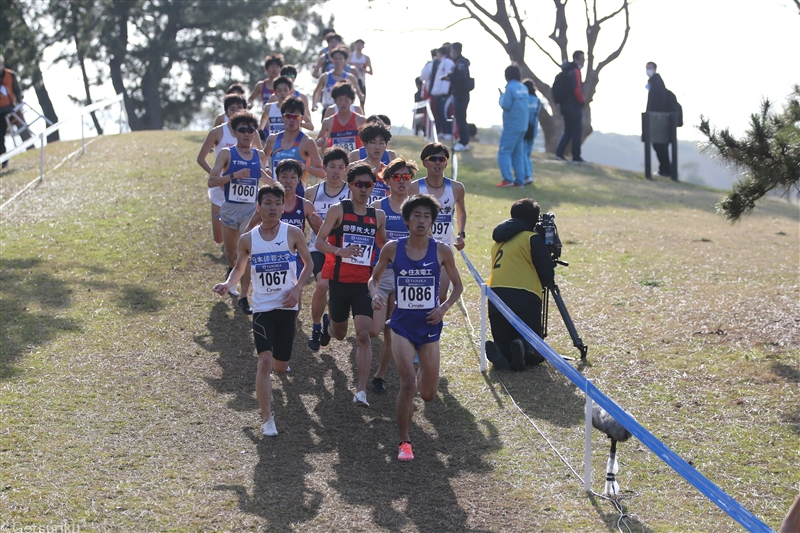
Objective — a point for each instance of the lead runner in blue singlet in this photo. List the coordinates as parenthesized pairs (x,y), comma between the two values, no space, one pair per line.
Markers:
(268,254)
(398,176)
(418,261)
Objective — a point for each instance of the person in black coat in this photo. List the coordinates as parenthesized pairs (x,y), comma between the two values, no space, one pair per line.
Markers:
(657,101)
(572,109)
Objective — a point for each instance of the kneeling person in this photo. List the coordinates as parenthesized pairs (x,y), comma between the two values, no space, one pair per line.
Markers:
(271,248)
(416,323)
(521,268)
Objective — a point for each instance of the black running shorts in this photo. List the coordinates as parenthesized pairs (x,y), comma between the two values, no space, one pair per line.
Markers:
(274,331)
(346,296)
(319,262)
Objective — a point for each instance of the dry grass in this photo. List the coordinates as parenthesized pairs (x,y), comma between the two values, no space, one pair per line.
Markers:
(127,396)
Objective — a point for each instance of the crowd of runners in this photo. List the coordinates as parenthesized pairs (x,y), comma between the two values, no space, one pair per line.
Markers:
(339,208)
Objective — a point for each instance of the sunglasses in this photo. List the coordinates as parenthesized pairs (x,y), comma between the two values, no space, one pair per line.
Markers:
(246,129)
(436,159)
(363,184)
(403,177)
(292,116)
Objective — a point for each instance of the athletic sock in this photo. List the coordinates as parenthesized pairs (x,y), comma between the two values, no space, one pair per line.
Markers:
(316,327)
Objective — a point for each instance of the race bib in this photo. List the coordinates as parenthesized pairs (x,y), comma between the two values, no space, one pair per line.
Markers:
(272,271)
(416,292)
(243,191)
(365,245)
(347,143)
(441,228)
(379,192)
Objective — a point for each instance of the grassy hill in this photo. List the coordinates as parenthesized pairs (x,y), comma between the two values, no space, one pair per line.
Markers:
(127,386)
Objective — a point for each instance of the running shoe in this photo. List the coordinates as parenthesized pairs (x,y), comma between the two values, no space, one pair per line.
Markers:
(233,291)
(404,452)
(561,158)
(313,342)
(378,386)
(360,399)
(504,184)
(517,355)
(528,181)
(461,147)
(325,337)
(578,160)
(245,305)
(268,427)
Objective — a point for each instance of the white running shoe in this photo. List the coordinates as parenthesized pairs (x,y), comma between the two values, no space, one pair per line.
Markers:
(233,291)
(360,399)
(269,428)
(446,136)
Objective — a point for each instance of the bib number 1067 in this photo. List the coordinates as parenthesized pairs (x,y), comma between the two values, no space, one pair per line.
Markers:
(268,279)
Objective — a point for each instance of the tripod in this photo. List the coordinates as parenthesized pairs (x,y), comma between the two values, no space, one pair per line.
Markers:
(562,308)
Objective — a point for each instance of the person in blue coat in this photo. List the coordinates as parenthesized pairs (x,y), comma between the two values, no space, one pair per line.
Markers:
(514,102)
(534,106)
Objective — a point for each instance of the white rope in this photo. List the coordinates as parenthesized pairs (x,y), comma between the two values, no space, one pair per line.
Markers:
(41,178)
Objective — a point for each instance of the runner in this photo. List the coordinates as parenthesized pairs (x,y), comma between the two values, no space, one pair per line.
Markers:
(375,136)
(341,129)
(239,169)
(294,144)
(324,195)
(419,262)
(348,237)
(290,72)
(323,91)
(325,61)
(362,65)
(219,137)
(296,210)
(235,88)
(398,175)
(270,248)
(450,195)
(361,153)
(332,110)
(272,118)
(273,63)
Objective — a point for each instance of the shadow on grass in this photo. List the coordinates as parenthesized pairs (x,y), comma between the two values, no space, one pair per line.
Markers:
(21,329)
(612,518)
(135,299)
(330,450)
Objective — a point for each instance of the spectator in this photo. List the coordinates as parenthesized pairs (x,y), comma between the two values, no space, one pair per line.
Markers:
(10,96)
(440,89)
(427,74)
(521,268)
(514,102)
(657,101)
(572,108)
(461,83)
(534,107)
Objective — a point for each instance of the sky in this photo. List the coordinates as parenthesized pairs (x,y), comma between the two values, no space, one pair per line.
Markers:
(720,57)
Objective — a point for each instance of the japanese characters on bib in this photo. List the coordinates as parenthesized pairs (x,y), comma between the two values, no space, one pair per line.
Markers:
(355,229)
(416,283)
(272,269)
(243,190)
(443,229)
(322,202)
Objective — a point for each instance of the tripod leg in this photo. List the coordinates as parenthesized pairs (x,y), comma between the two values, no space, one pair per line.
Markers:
(573,333)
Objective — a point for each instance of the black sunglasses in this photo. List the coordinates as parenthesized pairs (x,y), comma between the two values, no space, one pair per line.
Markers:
(245,129)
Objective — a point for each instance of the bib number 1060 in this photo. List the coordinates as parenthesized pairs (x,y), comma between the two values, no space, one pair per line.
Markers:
(268,279)
(243,190)
(416,294)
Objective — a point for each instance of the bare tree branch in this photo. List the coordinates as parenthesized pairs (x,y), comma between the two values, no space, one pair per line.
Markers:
(617,52)
(797,3)
(559,35)
(480,21)
(617,12)
(553,59)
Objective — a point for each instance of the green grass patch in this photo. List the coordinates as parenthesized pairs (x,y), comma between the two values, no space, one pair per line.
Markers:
(127,387)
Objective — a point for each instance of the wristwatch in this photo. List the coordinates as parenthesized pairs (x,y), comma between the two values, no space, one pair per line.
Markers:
(462,234)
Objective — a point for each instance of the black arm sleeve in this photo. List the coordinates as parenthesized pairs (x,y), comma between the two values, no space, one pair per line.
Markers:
(542,261)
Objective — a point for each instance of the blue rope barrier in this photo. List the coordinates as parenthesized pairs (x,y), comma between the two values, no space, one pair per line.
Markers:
(730,506)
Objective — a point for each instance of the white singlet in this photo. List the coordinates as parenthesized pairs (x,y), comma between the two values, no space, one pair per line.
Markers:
(323,202)
(217,194)
(272,270)
(275,119)
(443,229)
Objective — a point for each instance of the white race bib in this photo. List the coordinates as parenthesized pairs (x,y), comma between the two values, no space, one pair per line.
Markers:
(244,190)
(272,271)
(441,227)
(365,245)
(416,292)
(347,143)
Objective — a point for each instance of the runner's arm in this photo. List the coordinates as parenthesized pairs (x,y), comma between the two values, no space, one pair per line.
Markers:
(254,94)
(314,166)
(239,270)
(313,218)
(211,141)
(298,243)
(322,138)
(380,235)
(387,255)
(316,96)
(446,259)
(461,213)
(215,177)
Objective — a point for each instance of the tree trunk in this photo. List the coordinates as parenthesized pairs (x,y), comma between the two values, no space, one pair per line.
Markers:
(82,62)
(45,103)
(118,48)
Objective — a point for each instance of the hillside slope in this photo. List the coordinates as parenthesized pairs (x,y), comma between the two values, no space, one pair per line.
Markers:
(127,386)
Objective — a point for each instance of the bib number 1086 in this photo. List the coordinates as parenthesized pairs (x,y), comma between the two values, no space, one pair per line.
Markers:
(416,294)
